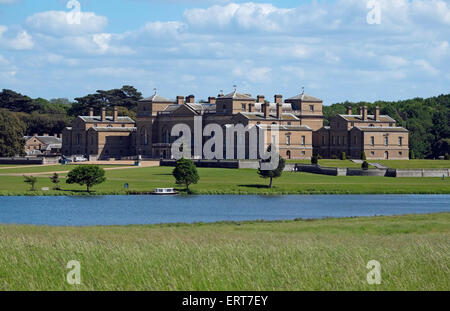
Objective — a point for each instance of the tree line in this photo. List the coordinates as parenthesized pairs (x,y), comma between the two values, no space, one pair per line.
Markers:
(428,120)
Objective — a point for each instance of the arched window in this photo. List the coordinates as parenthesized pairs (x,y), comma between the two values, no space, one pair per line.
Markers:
(288,154)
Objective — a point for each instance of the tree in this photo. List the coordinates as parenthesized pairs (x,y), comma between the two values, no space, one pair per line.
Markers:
(272,173)
(17,102)
(185,173)
(32,181)
(343,156)
(314,160)
(55,180)
(88,175)
(127,97)
(363,156)
(365,165)
(12,131)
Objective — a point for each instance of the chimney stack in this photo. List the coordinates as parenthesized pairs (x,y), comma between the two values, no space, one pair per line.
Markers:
(190,99)
(103,114)
(250,107)
(266,109)
(260,99)
(115,114)
(45,134)
(180,100)
(349,110)
(91,112)
(364,113)
(278,99)
(377,113)
(279,110)
(212,100)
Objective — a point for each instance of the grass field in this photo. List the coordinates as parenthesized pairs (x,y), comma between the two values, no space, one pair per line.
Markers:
(330,254)
(233,181)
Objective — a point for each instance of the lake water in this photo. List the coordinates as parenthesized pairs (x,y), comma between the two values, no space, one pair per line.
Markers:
(124,210)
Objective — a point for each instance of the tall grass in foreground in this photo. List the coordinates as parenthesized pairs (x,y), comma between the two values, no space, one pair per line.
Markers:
(330,254)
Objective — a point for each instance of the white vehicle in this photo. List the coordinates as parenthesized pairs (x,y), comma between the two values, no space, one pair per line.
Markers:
(79,159)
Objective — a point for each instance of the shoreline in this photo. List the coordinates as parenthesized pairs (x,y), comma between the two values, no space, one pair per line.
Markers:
(268,193)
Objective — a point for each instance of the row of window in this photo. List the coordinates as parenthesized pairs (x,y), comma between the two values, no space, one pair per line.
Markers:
(288,140)
(386,141)
(336,140)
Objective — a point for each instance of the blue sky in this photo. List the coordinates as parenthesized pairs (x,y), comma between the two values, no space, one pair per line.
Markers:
(199,47)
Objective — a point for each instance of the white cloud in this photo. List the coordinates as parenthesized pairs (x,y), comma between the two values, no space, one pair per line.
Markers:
(426,67)
(59,23)
(21,41)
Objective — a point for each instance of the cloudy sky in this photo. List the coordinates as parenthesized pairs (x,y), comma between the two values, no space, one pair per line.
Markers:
(336,49)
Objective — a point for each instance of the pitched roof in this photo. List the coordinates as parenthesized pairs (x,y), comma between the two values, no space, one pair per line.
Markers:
(306,98)
(273,107)
(155,98)
(236,95)
(370,118)
(288,127)
(48,140)
(260,116)
(380,129)
(109,119)
(113,129)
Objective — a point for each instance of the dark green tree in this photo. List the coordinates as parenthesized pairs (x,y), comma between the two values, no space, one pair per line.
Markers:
(12,131)
(365,165)
(32,180)
(185,173)
(55,180)
(275,173)
(127,97)
(17,102)
(314,160)
(343,156)
(88,175)
(363,156)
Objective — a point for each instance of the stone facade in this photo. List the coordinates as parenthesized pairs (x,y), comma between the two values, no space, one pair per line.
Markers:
(100,137)
(300,121)
(376,135)
(43,145)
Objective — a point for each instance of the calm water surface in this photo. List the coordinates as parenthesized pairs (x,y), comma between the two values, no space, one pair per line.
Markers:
(124,210)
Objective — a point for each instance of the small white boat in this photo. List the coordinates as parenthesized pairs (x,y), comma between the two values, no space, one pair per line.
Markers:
(164,191)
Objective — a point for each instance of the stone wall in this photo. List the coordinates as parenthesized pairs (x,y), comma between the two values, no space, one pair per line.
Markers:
(423,173)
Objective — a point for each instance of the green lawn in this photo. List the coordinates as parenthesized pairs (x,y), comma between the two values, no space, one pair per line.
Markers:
(46,168)
(414,164)
(234,181)
(330,254)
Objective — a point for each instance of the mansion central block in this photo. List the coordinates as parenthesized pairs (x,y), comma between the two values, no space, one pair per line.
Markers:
(300,120)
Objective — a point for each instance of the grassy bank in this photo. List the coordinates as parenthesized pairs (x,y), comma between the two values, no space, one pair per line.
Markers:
(330,254)
(233,181)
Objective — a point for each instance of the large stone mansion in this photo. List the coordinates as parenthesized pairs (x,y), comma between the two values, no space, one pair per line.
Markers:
(300,120)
